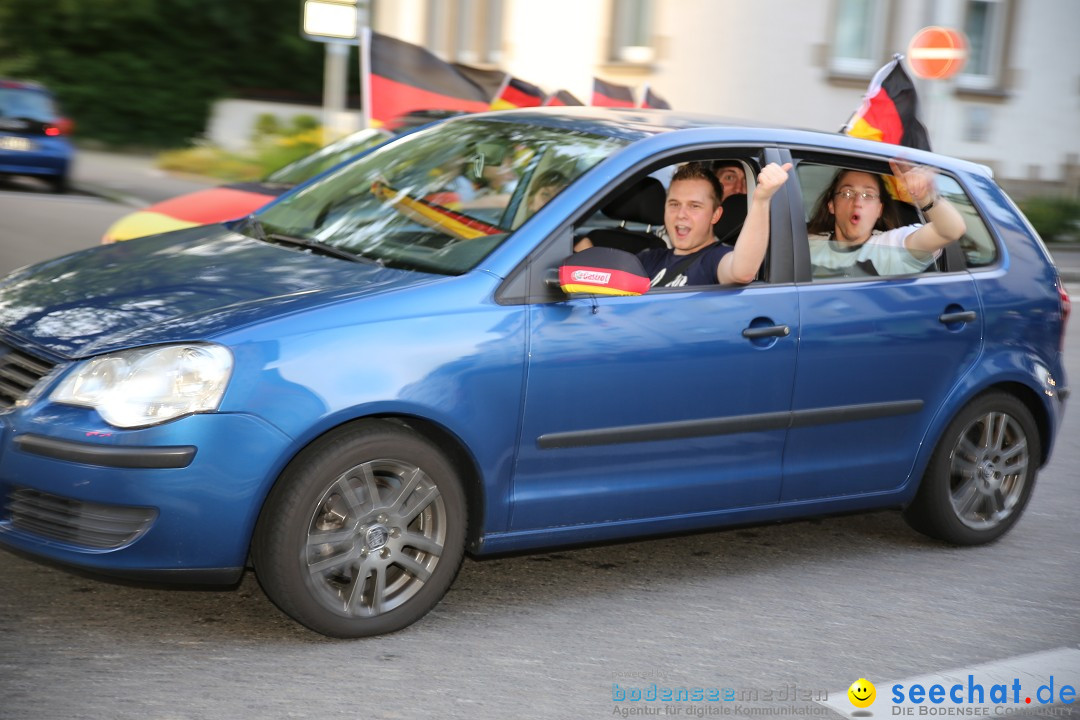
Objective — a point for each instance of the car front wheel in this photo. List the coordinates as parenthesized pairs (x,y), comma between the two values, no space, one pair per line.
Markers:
(363,533)
(981,474)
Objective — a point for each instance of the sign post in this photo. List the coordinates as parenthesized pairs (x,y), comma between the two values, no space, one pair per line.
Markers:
(337,24)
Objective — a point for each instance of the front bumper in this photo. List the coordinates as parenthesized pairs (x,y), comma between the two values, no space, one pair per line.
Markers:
(178,500)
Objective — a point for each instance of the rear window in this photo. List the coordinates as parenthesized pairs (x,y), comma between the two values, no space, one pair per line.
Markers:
(26,104)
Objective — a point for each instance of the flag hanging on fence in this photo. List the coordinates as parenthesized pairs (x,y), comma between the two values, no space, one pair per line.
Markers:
(562,97)
(889,110)
(651,100)
(518,93)
(399,77)
(607,94)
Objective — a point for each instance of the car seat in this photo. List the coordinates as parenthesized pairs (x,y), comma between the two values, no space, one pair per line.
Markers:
(731,220)
(643,203)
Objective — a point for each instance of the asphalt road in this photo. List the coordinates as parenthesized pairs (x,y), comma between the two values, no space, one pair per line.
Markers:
(802,608)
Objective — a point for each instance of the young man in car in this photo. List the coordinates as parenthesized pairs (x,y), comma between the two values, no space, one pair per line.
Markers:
(691,210)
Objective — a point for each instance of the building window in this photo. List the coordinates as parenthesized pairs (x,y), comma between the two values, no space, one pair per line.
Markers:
(984,25)
(631,31)
(977,120)
(858,37)
(465,31)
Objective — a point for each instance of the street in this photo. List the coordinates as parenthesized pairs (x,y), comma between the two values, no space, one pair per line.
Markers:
(805,607)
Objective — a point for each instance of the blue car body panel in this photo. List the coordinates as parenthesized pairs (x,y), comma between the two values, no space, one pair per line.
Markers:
(577,420)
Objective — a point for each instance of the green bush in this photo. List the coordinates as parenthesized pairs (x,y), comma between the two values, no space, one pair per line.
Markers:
(271,152)
(144,73)
(1057,219)
(304,123)
(266,124)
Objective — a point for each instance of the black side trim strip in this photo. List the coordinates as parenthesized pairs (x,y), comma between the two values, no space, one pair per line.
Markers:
(854,413)
(726,426)
(118,456)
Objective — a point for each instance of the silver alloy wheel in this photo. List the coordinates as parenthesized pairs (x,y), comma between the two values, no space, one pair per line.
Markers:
(374,538)
(988,470)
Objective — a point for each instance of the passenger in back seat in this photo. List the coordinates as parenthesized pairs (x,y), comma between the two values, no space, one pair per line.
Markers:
(732,179)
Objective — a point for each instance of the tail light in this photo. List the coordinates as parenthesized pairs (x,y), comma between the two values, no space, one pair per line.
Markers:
(63,126)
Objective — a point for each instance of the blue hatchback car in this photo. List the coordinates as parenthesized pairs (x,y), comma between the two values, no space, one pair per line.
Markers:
(382,371)
(33,135)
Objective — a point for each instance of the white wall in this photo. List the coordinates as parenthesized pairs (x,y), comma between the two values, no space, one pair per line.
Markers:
(765,60)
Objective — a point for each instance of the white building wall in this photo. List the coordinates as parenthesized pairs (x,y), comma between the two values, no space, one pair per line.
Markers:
(767,61)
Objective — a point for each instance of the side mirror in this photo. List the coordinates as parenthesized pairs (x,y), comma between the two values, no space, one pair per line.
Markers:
(603,271)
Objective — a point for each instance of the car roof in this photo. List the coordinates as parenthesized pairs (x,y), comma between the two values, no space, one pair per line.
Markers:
(22,85)
(634,124)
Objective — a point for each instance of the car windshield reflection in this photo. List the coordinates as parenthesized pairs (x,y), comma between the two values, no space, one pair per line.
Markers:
(441,199)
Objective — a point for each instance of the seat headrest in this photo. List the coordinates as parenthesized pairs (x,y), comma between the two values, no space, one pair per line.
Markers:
(642,202)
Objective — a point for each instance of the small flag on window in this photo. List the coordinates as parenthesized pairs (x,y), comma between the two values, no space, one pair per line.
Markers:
(652,100)
(516,94)
(562,97)
(606,94)
(889,110)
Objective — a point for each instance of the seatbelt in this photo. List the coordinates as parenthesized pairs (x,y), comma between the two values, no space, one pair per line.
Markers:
(677,269)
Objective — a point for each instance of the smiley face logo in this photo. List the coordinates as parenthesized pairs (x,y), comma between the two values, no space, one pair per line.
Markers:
(862,693)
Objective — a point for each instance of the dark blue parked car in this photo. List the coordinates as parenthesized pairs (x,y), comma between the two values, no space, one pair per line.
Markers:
(33,135)
(380,372)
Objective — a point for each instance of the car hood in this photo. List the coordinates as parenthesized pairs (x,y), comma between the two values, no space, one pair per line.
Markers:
(184,285)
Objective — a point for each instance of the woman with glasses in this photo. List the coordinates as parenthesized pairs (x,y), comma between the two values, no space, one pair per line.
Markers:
(855,230)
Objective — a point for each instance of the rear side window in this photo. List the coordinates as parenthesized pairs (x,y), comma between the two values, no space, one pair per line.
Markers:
(828,187)
(978,244)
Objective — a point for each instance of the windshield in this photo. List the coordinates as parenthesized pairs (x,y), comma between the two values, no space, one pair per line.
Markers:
(441,199)
(327,157)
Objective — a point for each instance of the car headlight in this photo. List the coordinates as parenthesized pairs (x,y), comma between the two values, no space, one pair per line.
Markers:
(135,388)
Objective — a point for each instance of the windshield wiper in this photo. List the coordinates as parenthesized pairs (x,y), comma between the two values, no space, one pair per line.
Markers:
(317,247)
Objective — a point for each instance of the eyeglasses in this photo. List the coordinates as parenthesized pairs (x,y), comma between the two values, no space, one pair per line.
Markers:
(849,194)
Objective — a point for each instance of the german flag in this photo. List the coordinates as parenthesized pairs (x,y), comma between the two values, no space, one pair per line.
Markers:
(561,98)
(654,101)
(432,214)
(517,94)
(400,77)
(491,82)
(889,110)
(607,94)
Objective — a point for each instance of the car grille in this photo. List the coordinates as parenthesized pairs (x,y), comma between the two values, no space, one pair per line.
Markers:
(19,373)
(89,525)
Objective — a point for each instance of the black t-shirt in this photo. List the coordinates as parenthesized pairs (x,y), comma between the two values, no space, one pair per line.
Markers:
(701,270)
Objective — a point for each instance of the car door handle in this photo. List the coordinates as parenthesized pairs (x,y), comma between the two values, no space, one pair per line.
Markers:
(754,333)
(964,316)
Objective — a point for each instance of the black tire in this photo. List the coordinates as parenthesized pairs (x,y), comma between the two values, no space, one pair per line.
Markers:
(981,475)
(60,183)
(391,516)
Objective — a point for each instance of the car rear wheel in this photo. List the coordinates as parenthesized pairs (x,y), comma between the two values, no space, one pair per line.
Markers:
(981,474)
(364,532)
(60,183)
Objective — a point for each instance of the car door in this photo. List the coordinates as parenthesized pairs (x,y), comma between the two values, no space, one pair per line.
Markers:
(671,405)
(877,358)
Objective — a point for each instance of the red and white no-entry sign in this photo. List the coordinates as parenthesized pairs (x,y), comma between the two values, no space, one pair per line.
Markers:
(937,53)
